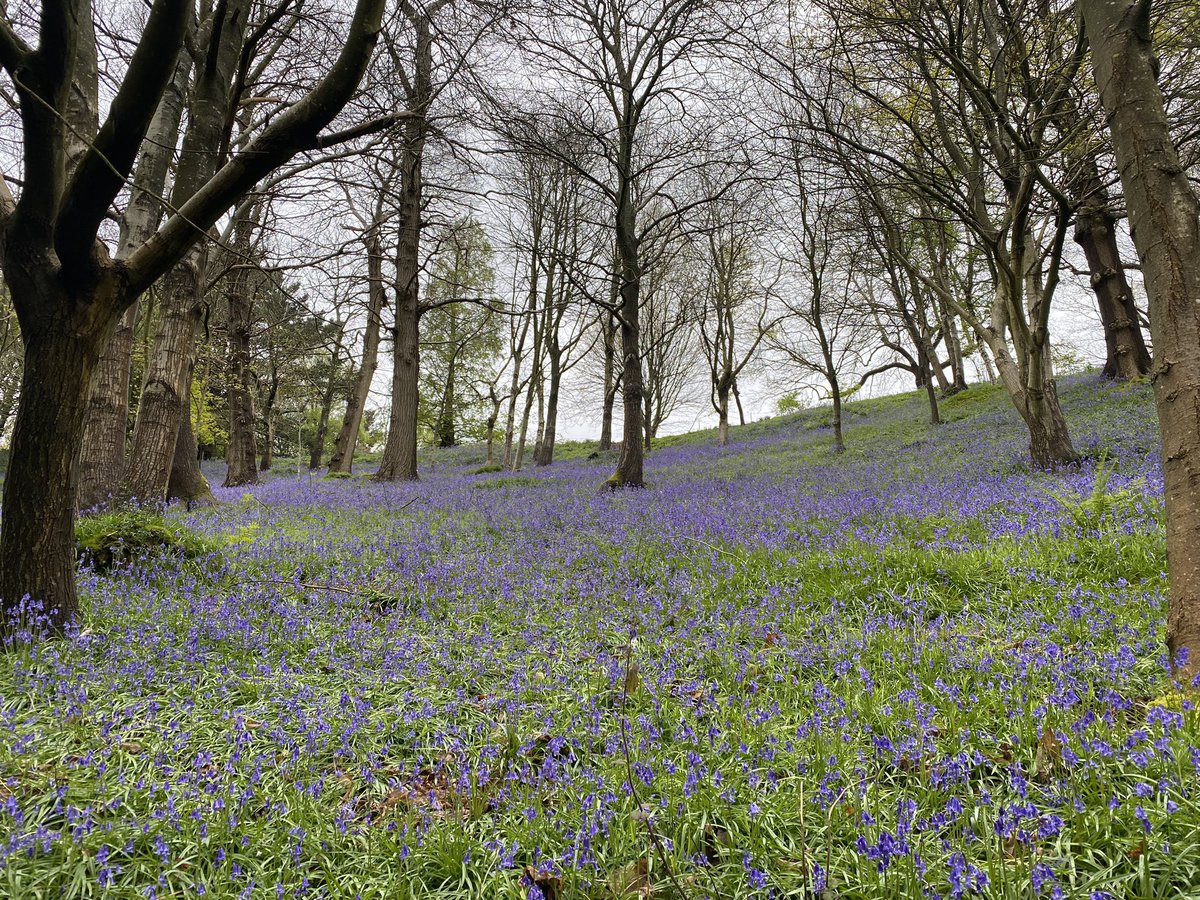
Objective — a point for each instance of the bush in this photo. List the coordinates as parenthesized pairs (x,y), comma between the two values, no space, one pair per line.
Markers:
(109,539)
(487,469)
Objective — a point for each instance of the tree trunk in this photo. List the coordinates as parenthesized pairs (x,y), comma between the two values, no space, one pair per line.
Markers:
(722,415)
(37,560)
(1036,400)
(399,461)
(187,481)
(102,464)
(1164,217)
(163,401)
(629,472)
(610,385)
(1095,232)
(839,444)
(444,427)
(317,449)
(268,448)
(356,400)
(550,432)
(161,411)
(935,416)
(241,454)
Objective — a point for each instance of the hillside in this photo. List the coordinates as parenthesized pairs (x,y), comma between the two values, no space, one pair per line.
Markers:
(916,669)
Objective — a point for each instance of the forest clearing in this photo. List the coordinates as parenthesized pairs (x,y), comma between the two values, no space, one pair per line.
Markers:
(917,668)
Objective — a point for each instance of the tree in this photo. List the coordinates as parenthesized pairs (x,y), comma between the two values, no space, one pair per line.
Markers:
(460,329)
(1164,216)
(621,71)
(958,106)
(68,291)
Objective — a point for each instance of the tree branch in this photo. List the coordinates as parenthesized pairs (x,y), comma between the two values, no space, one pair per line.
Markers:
(110,157)
(294,129)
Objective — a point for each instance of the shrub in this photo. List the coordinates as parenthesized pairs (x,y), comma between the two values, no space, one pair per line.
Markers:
(108,539)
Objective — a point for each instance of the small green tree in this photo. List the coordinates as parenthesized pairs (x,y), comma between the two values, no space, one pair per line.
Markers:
(459,334)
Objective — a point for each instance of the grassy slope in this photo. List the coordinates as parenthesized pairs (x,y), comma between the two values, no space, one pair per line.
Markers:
(917,668)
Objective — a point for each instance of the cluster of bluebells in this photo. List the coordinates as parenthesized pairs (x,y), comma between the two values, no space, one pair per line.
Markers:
(930,670)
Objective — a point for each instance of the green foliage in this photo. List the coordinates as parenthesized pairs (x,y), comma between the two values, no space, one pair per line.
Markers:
(112,538)
(208,420)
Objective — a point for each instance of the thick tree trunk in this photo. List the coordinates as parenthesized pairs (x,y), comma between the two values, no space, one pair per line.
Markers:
(163,401)
(399,461)
(161,411)
(102,464)
(37,559)
(1164,216)
(1096,233)
(241,453)
(187,481)
(342,459)
(630,465)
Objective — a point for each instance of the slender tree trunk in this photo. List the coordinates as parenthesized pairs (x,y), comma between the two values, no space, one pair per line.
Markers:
(268,448)
(493,418)
(722,415)
(550,433)
(342,459)
(610,380)
(1164,216)
(1036,400)
(935,415)
(737,399)
(446,436)
(835,390)
(241,454)
(102,464)
(317,449)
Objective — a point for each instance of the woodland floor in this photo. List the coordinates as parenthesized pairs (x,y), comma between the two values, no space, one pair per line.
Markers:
(916,669)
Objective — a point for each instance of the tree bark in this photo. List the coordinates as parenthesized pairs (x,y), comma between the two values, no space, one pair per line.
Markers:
(1164,217)
(161,410)
(550,431)
(241,454)
(268,448)
(186,481)
(103,466)
(630,465)
(608,327)
(1096,233)
(37,580)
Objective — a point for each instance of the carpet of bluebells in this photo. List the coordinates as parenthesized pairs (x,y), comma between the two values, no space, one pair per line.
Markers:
(919,669)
